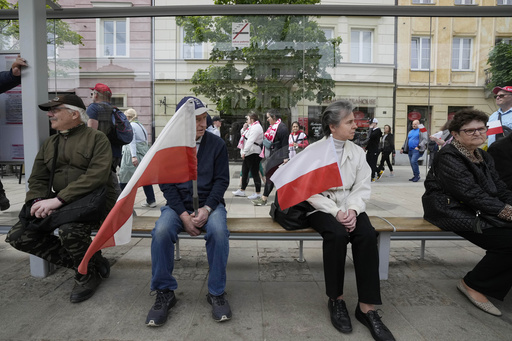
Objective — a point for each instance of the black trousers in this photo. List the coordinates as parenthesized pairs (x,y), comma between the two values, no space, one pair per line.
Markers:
(385,158)
(371,158)
(251,163)
(2,188)
(492,276)
(364,252)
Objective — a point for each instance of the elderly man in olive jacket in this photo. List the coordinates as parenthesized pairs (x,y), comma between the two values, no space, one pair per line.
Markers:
(80,158)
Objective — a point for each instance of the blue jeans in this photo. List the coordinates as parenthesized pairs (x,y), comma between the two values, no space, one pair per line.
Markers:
(414,155)
(165,235)
(148,191)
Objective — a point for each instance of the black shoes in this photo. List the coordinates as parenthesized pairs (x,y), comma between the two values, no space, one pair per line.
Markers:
(339,315)
(220,307)
(4,202)
(157,316)
(373,322)
(102,265)
(85,286)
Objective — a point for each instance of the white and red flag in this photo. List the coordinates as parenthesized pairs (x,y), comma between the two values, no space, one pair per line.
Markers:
(495,127)
(172,159)
(310,172)
(422,128)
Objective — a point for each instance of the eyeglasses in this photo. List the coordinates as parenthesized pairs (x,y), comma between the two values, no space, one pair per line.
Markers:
(501,95)
(471,132)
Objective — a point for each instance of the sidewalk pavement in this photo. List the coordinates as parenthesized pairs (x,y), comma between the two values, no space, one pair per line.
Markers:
(272,296)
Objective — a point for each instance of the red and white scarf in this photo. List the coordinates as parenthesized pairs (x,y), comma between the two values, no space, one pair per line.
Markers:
(270,134)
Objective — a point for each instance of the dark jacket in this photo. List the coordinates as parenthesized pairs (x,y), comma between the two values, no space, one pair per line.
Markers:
(281,138)
(212,178)
(8,81)
(83,164)
(389,144)
(501,151)
(374,140)
(457,187)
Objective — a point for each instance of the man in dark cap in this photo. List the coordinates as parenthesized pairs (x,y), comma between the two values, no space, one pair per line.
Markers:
(73,163)
(178,215)
(217,123)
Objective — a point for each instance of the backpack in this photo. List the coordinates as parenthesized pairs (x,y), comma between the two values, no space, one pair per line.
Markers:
(113,123)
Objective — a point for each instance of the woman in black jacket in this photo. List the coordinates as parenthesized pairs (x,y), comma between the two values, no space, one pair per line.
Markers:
(387,148)
(464,194)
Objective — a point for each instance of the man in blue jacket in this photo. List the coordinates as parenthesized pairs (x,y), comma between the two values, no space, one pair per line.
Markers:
(178,215)
(8,80)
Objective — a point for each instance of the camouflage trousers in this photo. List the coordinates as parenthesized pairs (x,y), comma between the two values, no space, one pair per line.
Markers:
(67,249)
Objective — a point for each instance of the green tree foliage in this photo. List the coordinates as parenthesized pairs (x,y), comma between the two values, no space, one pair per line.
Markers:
(500,61)
(287,60)
(59,33)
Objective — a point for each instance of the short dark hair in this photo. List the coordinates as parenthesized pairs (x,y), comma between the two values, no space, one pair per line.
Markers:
(464,116)
(334,113)
(274,113)
(253,116)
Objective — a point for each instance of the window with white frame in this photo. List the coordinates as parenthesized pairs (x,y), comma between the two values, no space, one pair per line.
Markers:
(420,53)
(113,37)
(461,54)
(422,1)
(190,51)
(504,2)
(361,46)
(464,2)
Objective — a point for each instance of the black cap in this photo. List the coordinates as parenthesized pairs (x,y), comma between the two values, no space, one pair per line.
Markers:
(63,99)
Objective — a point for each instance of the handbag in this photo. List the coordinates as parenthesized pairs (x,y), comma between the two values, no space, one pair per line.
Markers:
(291,218)
(267,143)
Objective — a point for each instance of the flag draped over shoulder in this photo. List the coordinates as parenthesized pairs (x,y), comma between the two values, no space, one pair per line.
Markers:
(310,172)
(172,159)
(422,128)
(495,127)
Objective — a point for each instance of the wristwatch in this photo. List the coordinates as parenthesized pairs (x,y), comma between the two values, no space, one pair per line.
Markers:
(208,208)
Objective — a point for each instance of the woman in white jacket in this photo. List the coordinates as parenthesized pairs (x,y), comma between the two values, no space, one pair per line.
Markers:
(253,140)
(340,218)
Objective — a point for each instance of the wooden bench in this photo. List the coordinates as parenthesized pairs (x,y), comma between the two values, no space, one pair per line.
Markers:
(396,228)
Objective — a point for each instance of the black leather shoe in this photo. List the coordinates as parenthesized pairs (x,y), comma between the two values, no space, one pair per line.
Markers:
(373,322)
(339,315)
(85,286)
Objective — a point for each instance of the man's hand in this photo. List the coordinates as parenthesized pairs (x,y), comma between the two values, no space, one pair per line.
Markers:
(347,219)
(188,225)
(44,208)
(201,219)
(16,66)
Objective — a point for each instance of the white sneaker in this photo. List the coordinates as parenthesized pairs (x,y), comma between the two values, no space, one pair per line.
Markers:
(254,196)
(145,204)
(239,193)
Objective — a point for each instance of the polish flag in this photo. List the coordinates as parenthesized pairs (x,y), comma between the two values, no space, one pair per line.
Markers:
(172,159)
(422,128)
(310,172)
(495,127)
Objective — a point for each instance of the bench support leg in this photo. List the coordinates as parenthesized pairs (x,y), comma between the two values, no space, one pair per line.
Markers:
(422,251)
(40,268)
(177,247)
(384,241)
(301,252)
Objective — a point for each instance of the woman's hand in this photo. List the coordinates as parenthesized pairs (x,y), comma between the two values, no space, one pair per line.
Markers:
(347,219)
(135,161)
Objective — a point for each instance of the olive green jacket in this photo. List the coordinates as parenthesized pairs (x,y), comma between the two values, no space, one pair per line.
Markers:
(83,164)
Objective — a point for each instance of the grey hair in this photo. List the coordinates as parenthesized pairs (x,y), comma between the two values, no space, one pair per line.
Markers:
(334,114)
(83,115)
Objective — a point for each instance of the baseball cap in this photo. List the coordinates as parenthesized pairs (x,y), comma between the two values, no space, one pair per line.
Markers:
(100,87)
(505,88)
(375,120)
(69,99)
(199,107)
(217,118)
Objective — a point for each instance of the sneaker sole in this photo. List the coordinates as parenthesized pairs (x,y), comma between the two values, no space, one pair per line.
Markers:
(152,323)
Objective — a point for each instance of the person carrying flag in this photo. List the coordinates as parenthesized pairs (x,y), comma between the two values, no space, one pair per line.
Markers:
(179,214)
(340,218)
(503,114)
(415,145)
